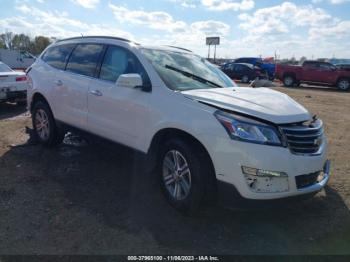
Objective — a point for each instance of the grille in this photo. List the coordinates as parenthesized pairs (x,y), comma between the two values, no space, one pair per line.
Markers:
(306,180)
(304,138)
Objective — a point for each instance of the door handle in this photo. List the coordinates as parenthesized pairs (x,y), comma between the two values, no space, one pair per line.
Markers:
(59,83)
(96,92)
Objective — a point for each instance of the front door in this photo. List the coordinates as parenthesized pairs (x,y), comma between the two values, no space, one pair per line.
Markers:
(118,113)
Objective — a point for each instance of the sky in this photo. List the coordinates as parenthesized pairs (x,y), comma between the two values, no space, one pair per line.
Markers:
(311,28)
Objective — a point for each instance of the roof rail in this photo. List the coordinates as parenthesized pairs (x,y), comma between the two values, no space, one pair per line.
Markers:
(106,37)
(181,48)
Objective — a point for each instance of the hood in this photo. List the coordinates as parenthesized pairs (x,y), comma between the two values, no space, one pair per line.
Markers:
(263,103)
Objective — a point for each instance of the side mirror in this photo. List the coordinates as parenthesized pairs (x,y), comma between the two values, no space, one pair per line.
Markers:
(129,81)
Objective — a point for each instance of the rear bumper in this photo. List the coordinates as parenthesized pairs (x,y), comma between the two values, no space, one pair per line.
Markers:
(13,96)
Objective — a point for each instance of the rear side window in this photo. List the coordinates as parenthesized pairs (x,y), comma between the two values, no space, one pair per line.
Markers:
(118,61)
(312,65)
(84,59)
(239,68)
(56,56)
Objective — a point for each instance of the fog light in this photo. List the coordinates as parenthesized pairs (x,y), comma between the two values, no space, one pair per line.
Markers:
(320,177)
(265,181)
(260,172)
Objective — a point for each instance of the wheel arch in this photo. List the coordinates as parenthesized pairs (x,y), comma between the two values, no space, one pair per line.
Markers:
(35,98)
(167,133)
(292,74)
(341,78)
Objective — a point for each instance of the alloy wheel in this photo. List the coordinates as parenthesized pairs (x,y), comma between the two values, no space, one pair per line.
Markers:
(42,124)
(288,81)
(344,85)
(176,175)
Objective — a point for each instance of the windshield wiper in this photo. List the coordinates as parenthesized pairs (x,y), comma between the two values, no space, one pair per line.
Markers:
(192,76)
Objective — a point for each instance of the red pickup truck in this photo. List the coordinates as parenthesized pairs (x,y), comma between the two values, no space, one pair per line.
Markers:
(315,73)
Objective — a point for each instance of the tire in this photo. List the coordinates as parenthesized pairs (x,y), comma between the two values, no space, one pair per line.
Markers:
(44,124)
(343,84)
(245,79)
(191,182)
(288,81)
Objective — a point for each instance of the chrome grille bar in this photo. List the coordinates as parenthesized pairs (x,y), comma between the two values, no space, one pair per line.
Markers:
(304,138)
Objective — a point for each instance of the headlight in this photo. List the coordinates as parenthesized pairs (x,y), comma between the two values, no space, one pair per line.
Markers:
(248,130)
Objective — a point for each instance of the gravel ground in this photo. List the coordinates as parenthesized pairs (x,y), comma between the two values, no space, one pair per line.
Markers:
(92,198)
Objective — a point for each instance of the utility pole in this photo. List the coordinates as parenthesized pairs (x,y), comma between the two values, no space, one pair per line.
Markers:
(215,54)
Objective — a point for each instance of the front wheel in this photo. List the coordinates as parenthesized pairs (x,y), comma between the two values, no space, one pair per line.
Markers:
(288,81)
(183,175)
(343,84)
(45,126)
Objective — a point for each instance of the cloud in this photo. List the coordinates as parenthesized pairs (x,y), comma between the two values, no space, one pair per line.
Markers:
(281,18)
(293,30)
(211,28)
(334,2)
(87,3)
(185,3)
(224,5)
(55,24)
(156,20)
(338,31)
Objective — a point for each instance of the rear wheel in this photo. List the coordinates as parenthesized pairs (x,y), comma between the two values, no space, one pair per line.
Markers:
(288,81)
(45,126)
(183,175)
(343,84)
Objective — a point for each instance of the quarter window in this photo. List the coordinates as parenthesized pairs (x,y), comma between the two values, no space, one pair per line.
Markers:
(84,59)
(57,56)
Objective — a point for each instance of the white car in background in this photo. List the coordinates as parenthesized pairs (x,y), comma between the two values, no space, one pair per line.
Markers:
(13,85)
(206,136)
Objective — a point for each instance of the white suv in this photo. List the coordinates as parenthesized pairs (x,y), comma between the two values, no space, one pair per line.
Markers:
(207,136)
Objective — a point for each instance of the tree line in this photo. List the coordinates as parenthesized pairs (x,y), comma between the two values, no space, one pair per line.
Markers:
(23,42)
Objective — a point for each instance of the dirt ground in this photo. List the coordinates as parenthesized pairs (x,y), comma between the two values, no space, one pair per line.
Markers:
(89,198)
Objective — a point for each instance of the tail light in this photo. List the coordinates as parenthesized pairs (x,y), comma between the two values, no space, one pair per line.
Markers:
(21,78)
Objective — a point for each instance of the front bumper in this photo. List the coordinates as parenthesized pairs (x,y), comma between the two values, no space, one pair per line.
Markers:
(230,156)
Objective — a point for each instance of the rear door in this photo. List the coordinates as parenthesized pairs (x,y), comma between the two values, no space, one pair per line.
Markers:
(53,61)
(310,71)
(118,113)
(72,85)
(327,73)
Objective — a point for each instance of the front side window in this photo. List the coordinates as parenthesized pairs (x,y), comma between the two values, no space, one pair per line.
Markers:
(26,55)
(327,66)
(5,68)
(84,59)
(118,61)
(185,71)
(56,56)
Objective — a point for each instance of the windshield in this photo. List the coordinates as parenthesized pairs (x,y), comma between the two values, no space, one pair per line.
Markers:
(4,68)
(183,71)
